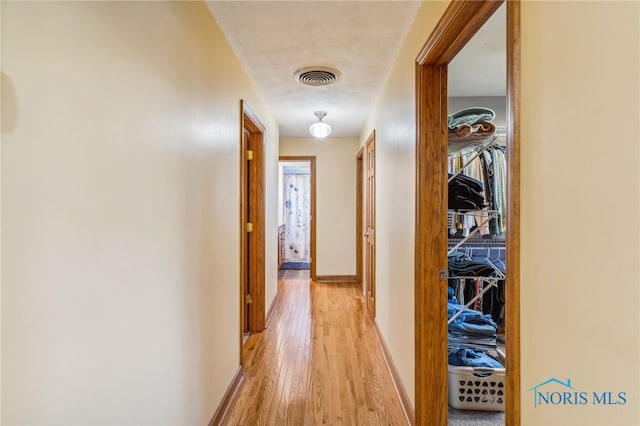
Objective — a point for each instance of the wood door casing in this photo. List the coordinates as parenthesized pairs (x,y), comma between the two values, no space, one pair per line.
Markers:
(312,166)
(256,238)
(252,210)
(456,27)
(370,225)
(247,314)
(359,214)
(512,310)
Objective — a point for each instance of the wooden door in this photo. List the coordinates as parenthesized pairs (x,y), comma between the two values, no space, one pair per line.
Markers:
(252,223)
(359,214)
(370,225)
(246,270)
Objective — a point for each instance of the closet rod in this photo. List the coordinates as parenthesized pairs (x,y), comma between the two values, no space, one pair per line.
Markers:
(495,241)
(474,232)
(498,275)
(477,213)
(479,150)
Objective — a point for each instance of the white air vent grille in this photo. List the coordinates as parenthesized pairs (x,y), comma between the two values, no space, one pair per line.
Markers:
(317,76)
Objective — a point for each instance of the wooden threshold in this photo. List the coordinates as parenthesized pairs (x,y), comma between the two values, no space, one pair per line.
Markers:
(336,279)
(227,398)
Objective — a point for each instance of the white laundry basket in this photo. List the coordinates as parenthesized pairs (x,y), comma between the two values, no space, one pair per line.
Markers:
(476,388)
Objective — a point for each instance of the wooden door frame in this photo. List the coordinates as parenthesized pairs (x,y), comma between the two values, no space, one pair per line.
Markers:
(459,23)
(371,304)
(359,213)
(312,166)
(250,122)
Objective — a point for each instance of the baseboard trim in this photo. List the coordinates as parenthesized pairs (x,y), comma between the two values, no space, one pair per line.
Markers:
(409,412)
(272,309)
(336,279)
(227,398)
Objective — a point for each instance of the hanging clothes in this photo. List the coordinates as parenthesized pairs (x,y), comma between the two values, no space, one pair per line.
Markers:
(466,193)
(490,168)
(469,129)
(500,185)
(474,169)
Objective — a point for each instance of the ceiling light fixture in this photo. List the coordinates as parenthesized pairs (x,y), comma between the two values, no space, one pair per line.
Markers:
(317,76)
(320,129)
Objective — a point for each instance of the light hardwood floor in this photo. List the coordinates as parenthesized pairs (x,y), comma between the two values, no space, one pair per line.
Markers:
(318,362)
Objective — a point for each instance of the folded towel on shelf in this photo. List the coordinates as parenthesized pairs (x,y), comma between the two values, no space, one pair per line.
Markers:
(471,358)
(472,132)
(470,116)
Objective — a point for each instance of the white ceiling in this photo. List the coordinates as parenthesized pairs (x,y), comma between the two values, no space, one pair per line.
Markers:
(480,69)
(273,39)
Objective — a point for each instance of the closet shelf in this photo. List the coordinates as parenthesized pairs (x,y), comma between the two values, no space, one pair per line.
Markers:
(473,149)
(487,215)
(497,241)
(479,144)
(496,277)
(480,147)
(476,213)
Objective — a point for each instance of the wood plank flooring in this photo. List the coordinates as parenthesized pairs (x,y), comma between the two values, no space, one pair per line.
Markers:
(317,363)
(293,274)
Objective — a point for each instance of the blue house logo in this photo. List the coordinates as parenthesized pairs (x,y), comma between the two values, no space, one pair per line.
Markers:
(556,392)
(554,398)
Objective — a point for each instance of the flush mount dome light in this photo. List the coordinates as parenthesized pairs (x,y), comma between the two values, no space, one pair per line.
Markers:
(320,129)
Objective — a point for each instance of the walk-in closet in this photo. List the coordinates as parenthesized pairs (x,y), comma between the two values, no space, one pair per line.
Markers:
(476,222)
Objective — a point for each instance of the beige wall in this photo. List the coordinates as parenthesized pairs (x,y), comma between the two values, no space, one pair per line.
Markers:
(335,200)
(120,195)
(2,118)
(580,212)
(393,118)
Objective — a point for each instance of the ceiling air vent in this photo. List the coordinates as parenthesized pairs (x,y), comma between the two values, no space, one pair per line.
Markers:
(317,76)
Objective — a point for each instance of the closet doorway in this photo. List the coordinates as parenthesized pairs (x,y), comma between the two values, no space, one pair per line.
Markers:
(296,216)
(252,224)
(369,236)
(460,22)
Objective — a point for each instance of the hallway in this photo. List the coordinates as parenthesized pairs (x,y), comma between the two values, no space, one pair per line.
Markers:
(318,362)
